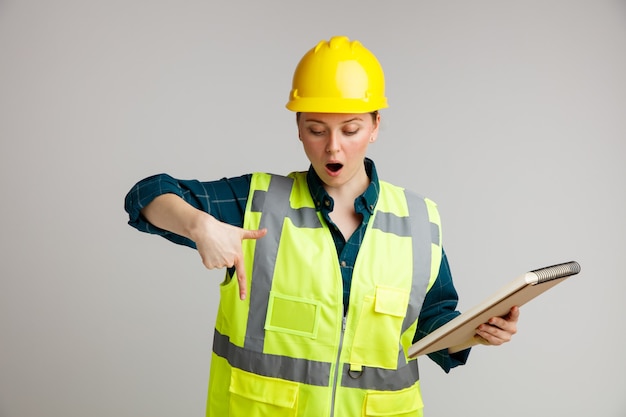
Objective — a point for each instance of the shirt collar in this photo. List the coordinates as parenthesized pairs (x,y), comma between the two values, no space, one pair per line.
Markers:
(365,202)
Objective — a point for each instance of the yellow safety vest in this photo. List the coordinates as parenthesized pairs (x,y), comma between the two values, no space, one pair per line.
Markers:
(288,350)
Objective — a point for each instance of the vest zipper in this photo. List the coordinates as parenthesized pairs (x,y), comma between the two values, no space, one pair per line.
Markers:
(337,363)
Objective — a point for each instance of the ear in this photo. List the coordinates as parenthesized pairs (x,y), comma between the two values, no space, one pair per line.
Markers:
(375,127)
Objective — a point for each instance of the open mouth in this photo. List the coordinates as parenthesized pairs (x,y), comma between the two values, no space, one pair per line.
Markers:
(334,167)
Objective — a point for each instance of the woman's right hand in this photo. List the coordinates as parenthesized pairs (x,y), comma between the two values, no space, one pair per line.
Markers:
(220,246)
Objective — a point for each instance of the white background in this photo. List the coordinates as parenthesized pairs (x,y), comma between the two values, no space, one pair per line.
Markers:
(509,114)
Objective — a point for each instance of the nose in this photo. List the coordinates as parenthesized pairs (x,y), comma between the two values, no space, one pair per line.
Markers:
(333,145)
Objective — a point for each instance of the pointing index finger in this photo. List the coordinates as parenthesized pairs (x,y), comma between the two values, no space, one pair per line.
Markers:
(241,277)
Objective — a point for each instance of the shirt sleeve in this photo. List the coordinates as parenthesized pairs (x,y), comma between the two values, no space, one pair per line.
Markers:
(439,308)
(224,199)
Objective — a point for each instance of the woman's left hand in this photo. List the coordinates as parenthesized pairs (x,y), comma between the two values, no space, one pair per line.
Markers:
(498,330)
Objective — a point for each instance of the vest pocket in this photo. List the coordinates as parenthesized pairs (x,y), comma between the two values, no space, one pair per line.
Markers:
(404,403)
(377,335)
(254,395)
(292,315)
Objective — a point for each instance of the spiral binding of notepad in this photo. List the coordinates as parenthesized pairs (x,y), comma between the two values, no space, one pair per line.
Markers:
(556,271)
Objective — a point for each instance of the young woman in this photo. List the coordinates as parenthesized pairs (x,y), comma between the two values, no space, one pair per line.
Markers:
(331,273)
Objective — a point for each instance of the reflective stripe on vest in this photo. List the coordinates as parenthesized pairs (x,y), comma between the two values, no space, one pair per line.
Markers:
(312,372)
(250,357)
(276,201)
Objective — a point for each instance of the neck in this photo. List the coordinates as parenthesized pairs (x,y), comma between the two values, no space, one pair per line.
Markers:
(348,192)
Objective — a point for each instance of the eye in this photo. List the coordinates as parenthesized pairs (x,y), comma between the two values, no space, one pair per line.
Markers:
(350,132)
(316,132)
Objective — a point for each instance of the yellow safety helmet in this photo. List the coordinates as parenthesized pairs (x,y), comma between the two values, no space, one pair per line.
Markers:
(338,76)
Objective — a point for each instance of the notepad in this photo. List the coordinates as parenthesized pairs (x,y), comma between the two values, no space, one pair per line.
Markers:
(461,330)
